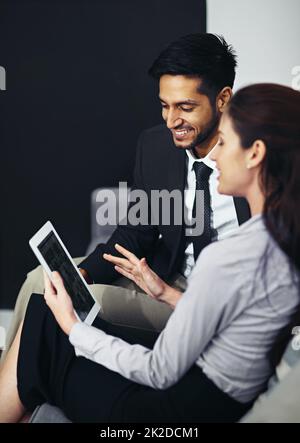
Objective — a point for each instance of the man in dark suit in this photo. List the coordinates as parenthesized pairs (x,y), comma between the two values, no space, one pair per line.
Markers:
(196,75)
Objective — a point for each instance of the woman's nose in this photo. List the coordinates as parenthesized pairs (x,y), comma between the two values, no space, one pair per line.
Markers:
(214,153)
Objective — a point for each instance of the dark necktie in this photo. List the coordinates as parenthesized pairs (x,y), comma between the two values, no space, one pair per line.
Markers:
(202,173)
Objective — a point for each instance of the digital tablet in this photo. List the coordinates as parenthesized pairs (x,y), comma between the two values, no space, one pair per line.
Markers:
(53,256)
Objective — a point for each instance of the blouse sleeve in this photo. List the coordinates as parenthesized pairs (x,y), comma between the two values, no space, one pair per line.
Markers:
(205,307)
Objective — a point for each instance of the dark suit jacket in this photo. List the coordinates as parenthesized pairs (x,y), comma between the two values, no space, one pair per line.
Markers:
(159,165)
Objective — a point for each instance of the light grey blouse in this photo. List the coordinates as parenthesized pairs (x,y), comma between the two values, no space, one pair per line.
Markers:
(226,321)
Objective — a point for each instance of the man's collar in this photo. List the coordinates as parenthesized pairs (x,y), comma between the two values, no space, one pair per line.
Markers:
(206,160)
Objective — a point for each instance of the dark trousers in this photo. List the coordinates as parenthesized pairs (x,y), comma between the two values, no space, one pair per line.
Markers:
(49,371)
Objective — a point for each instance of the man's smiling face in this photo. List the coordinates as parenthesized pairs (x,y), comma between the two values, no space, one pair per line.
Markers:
(188,114)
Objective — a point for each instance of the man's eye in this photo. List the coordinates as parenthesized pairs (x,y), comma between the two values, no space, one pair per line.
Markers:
(187,109)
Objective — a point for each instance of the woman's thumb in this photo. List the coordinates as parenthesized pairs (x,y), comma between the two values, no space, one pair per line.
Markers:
(144,262)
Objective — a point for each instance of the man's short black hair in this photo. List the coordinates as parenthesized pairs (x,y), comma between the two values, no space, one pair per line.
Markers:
(206,56)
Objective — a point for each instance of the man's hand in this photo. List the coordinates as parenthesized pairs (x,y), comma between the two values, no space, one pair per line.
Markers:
(139,272)
(59,302)
(85,275)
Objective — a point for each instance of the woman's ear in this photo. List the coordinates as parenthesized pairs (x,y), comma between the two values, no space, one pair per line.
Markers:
(223,98)
(256,154)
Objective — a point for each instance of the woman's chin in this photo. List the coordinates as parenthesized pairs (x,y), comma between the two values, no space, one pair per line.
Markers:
(227,190)
(222,189)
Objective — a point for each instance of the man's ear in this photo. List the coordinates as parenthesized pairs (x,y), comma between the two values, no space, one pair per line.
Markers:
(223,98)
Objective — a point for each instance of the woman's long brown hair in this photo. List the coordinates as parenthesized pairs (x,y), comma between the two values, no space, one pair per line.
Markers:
(271,113)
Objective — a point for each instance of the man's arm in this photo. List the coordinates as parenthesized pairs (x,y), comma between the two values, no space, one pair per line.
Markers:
(138,239)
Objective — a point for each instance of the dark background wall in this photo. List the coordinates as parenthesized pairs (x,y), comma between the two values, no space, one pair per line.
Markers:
(77,97)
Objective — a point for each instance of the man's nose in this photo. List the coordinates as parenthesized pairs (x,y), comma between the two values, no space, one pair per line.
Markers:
(173,119)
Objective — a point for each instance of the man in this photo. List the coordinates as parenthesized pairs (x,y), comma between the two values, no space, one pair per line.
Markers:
(196,76)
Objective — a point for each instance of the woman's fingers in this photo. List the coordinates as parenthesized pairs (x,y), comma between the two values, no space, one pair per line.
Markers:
(135,278)
(123,262)
(151,279)
(49,288)
(132,268)
(129,255)
(147,272)
(144,264)
(56,280)
(124,272)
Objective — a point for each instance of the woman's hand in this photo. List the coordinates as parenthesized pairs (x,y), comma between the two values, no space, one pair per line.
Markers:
(59,302)
(138,271)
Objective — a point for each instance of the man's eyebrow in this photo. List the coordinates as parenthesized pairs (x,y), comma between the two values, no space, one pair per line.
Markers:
(188,101)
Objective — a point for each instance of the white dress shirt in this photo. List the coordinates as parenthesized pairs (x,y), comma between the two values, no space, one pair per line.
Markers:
(223,214)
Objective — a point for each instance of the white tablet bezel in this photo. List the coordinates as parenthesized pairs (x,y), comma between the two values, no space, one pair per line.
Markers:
(35,241)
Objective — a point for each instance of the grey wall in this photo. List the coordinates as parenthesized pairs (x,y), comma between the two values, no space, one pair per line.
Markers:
(266,36)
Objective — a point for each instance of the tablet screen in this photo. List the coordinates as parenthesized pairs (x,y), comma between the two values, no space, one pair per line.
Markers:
(57,260)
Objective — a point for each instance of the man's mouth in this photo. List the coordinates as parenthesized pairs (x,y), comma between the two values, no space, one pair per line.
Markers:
(180,134)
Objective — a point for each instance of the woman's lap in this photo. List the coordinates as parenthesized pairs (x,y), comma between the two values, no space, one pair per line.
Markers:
(49,371)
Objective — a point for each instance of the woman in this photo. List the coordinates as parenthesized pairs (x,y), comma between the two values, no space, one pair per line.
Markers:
(212,359)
